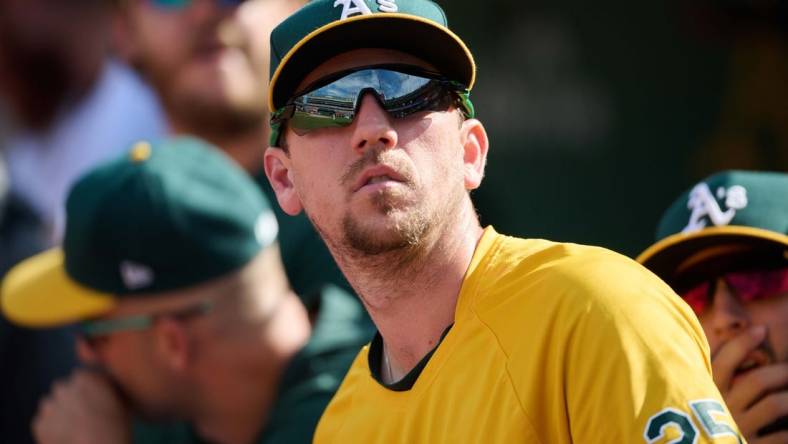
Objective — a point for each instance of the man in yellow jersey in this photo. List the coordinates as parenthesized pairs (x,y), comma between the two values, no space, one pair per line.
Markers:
(723,246)
(482,337)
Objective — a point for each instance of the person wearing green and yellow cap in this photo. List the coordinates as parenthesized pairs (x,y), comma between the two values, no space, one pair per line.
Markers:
(170,265)
(723,246)
(481,337)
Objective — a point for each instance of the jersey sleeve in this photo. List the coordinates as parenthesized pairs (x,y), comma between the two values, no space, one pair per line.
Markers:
(637,365)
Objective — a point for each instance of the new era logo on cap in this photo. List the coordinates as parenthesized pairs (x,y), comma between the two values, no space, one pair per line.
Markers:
(266,228)
(135,276)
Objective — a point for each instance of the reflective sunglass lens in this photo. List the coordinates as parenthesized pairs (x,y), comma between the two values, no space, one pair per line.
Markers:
(756,285)
(747,286)
(302,123)
(335,104)
(697,297)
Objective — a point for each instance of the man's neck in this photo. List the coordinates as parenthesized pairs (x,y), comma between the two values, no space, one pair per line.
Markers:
(234,408)
(414,303)
(246,147)
(242,388)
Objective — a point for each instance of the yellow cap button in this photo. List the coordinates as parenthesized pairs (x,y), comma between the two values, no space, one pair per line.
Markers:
(140,152)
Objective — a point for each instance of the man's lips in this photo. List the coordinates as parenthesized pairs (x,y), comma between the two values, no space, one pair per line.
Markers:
(377,174)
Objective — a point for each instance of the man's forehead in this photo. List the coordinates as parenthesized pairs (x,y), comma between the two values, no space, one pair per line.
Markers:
(362,57)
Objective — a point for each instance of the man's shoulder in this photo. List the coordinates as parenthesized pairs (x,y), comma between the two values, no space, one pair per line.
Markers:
(515,254)
(552,290)
(542,271)
(573,316)
(542,251)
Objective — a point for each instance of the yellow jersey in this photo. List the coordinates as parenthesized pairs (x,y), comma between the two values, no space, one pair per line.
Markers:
(551,343)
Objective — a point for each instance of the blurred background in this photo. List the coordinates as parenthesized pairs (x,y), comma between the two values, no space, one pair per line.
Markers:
(601,113)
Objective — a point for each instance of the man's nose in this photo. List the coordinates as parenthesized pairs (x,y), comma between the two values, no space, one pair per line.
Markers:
(729,316)
(372,127)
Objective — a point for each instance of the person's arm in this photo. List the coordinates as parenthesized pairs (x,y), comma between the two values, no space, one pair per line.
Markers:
(638,366)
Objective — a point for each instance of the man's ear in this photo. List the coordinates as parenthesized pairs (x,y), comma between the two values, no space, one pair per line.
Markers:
(278,170)
(172,343)
(85,353)
(475,145)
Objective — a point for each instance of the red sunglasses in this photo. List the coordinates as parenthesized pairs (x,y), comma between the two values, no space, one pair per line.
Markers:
(748,285)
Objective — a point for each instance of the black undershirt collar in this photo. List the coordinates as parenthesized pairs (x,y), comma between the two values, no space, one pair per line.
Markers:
(375,362)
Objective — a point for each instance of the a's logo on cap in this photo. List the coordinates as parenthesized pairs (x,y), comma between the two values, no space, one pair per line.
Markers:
(352,7)
(356,7)
(135,276)
(387,6)
(703,205)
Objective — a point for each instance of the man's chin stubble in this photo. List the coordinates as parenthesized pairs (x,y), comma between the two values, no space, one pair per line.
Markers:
(405,236)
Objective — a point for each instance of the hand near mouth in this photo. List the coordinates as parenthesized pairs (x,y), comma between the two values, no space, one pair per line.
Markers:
(754,387)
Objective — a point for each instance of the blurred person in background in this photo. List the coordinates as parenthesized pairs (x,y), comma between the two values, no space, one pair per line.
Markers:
(171,262)
(68,105)
(208,62)
(72,104)
(723,246)
(29,359)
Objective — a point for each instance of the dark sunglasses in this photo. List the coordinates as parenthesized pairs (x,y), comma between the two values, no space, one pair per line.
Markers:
(748,286)
(182,4)
(402,90)
(93,331)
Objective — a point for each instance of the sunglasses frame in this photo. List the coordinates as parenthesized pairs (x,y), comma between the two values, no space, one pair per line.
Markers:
(93,329)
(461,100)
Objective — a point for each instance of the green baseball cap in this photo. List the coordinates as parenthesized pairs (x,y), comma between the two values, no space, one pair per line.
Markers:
(733,219)
(161,217)
(323,29)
